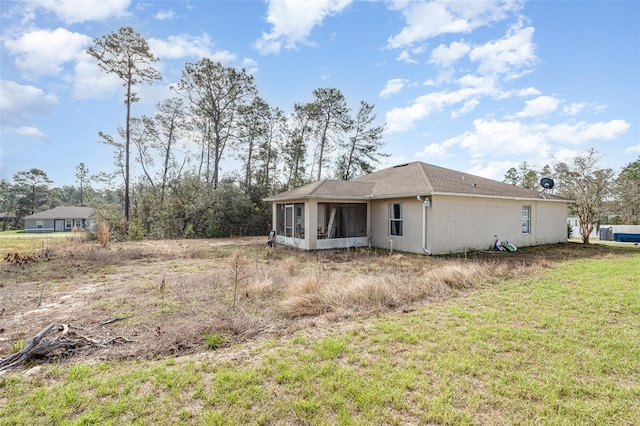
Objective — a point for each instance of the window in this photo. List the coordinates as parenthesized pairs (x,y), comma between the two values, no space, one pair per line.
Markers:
(526,219)
(68,223)
(39,224)
(78,223)
(395,219)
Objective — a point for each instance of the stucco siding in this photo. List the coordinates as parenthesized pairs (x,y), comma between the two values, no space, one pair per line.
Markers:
(455,224)
(411,239)
(469,223)
(551,223)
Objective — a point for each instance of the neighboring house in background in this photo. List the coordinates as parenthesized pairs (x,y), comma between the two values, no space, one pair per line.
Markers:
(59,219)
(419,208)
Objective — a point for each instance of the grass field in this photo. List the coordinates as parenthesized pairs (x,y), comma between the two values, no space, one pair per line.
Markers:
(21,242)
(555,345)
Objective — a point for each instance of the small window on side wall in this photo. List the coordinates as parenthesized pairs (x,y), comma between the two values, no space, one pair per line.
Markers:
(395,219)
(526,219)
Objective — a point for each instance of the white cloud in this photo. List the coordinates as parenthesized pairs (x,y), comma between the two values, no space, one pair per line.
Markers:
(577,133)
(498,138)
(445,56)
(43,52)
(293,20)
(402,119)
(91,82)
(564,155)
(393,87)
(633,149)
(508,55)
(27,131)
(468,106)
(405,56)
(492,170)
(181,46)
(72,11)
(539,106)
(188,46)
(573,109)
(432,150)
(165,15)
(16,100)
(601,130)
(426,19)
(577,107)
(495,138)
(529,91)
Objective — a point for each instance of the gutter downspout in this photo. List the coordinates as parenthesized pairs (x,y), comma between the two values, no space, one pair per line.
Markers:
(425,204)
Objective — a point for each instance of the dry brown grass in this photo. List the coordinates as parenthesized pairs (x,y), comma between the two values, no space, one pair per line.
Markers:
(168,295)
(103,233)
(355,293)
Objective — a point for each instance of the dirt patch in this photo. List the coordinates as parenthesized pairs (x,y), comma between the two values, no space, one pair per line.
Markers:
(154,299)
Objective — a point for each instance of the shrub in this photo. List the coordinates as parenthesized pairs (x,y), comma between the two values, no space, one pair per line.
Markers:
(136,231)
(189,232)
(214,340)
(213,230)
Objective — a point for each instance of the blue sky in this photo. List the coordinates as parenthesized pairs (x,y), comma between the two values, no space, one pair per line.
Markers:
(470,85)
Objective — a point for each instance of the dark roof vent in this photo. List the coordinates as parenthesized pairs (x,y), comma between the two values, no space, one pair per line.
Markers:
(400,165)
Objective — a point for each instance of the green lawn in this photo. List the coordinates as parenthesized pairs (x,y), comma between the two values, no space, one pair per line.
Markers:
(29,243)
(560,347)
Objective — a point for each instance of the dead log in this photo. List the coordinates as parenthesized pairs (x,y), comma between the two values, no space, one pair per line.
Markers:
(68,341)
(18,358)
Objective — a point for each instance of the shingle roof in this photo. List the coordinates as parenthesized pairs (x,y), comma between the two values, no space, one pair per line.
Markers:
(63,212)
(411,179)
(328,188)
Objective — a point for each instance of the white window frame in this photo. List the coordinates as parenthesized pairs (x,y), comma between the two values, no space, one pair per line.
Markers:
(398,229)
(39,224)
(526,219)
(68,223)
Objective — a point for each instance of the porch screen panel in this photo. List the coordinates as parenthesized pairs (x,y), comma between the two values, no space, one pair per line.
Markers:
(298,209)
(280,219)
(349,220)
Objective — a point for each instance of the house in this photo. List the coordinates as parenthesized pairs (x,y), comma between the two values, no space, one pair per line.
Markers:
(417,207)
(59,219)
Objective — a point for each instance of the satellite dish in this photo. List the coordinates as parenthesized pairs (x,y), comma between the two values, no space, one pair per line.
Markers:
(546,183)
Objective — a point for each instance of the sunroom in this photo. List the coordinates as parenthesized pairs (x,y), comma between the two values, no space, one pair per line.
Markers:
(329,224)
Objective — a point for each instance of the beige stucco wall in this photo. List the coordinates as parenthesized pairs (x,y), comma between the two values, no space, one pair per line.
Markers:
(455,223)
(411,240)
(459,223)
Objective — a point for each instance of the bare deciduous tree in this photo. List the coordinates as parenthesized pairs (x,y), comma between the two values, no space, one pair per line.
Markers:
(581,180)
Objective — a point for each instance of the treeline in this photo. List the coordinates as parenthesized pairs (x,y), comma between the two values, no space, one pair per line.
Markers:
(168,166)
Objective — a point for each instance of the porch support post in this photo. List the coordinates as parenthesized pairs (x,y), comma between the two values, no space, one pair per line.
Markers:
(274,216)
(311,224)
(369,216)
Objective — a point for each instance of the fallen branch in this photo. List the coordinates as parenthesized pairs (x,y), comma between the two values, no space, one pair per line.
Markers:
(111,321)
(68,341)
